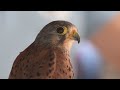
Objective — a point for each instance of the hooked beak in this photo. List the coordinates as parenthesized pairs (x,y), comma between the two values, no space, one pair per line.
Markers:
(76,36)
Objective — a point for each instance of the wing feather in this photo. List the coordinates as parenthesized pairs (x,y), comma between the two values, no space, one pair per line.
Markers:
(35,62)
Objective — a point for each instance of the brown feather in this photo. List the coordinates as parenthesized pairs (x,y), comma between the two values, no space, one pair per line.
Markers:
(36,63)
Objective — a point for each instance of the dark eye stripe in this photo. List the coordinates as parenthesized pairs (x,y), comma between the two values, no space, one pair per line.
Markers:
(60,30)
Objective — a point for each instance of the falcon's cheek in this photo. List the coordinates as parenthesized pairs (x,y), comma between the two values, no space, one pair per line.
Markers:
(55,40)
(68,44)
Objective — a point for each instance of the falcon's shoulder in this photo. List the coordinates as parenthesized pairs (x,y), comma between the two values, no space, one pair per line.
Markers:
(34,62)
(17,63)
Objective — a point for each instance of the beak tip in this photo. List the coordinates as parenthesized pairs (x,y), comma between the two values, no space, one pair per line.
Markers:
(77,37)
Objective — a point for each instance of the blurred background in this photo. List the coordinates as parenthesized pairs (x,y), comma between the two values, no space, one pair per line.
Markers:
(18,29)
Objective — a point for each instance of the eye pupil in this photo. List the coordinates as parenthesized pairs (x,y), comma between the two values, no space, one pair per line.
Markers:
(60,30)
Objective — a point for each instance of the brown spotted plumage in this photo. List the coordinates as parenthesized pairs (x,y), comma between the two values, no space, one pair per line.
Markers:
(48,56)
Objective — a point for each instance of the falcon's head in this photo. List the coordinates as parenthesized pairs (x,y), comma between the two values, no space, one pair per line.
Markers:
(58,34)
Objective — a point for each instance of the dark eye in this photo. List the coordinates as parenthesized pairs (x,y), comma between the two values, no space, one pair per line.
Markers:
(60,30)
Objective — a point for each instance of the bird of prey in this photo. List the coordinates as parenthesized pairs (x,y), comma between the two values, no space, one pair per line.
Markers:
(48,56)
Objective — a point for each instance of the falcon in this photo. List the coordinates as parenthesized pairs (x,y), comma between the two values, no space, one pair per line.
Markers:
(48,57)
